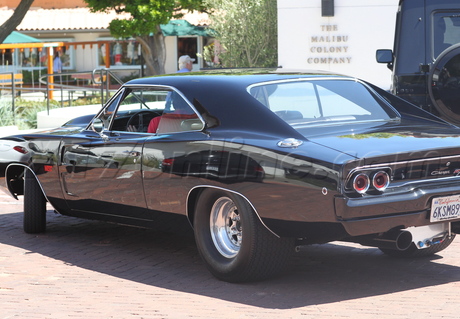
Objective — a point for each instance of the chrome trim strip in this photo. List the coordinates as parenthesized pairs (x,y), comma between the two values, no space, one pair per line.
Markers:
(304,78)
(234,192)
(387,165)
(410,161)
(442,179)
(332,123)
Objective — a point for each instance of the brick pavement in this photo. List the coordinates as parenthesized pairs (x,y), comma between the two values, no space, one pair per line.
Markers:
(88,269)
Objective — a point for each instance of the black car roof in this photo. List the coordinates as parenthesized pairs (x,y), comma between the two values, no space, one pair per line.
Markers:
(224,95)
(241,76)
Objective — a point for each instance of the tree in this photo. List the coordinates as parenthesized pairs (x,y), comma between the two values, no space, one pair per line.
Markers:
(144,24)
(10,25)
(246,30)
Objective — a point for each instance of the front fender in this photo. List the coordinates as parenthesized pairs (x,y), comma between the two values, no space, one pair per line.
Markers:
(13,182)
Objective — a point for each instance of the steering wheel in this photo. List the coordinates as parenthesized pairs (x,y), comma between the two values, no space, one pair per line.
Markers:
(141,127)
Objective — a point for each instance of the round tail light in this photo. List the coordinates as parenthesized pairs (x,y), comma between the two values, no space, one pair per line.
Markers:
(361,183)
(381,180)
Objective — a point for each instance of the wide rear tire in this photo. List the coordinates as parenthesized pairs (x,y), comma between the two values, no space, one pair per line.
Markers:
(232,241)
(34,205)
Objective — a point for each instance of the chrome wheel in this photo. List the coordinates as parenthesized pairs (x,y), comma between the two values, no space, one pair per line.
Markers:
(225,226)
(219,219)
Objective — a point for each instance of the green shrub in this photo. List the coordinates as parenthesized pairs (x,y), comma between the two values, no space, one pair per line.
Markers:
(6,113)
(27,75)
(25,115)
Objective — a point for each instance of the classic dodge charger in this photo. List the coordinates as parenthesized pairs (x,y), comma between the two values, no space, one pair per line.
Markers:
(258,163)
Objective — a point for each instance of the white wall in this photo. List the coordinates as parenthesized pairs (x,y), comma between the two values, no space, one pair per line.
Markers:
(171,55)
(86,59)
(171,65)
(345,43)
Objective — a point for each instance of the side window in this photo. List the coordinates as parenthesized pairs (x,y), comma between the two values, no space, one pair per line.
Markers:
(102,122)
(144,99)
(289,100)
(446,31)
(334,104)
(320,101)
(177,117)
(299,97)
(149,110)
(138,107)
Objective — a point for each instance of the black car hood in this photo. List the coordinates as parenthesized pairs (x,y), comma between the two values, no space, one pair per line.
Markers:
(399,141)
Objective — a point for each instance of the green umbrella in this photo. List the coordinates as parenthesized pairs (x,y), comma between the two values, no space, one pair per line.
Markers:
(182,28)
(16,37)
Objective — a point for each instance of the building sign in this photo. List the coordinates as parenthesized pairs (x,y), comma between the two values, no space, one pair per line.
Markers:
(343,42)
(329,46)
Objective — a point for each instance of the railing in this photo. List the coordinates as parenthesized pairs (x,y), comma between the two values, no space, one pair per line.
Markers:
(69,85)
(99,75)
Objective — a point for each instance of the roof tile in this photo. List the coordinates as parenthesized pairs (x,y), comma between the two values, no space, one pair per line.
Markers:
(78,19)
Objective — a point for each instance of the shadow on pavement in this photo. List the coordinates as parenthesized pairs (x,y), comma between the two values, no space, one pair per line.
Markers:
(319,274)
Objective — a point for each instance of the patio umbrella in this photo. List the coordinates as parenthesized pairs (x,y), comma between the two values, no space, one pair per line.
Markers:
(182,28)
(16,37)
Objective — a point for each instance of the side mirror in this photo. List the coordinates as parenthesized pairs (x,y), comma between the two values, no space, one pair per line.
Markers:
(384,56)
(97,125)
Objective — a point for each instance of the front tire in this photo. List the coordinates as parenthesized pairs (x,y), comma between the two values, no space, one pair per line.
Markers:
(413,251)
(232,241)
(34,205)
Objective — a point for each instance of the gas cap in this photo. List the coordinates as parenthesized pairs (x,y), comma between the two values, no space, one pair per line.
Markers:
(290,143)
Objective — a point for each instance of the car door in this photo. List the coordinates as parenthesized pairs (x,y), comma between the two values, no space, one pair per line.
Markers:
(166,164)
(101,173)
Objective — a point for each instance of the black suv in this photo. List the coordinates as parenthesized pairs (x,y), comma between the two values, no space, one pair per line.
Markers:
(426,57)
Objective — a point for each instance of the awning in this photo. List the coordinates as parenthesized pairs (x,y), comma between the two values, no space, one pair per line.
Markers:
(183,28)
(16,37)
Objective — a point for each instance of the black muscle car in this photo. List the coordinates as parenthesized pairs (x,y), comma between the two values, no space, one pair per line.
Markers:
(258,163)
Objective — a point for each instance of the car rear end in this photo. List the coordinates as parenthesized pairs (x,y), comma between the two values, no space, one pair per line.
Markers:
(416,193)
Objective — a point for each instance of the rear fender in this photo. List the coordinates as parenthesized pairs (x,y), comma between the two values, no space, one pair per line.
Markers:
(193,196)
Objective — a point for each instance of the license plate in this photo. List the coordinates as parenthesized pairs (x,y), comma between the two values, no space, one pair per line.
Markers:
(445,208)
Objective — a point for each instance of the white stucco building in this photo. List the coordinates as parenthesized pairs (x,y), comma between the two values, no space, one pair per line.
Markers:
(79,24)
(337,35)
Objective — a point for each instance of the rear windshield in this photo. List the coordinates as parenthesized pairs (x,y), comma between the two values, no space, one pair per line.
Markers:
(302,103)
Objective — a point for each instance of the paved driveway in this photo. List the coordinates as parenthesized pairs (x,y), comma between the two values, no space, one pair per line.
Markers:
(88,269)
